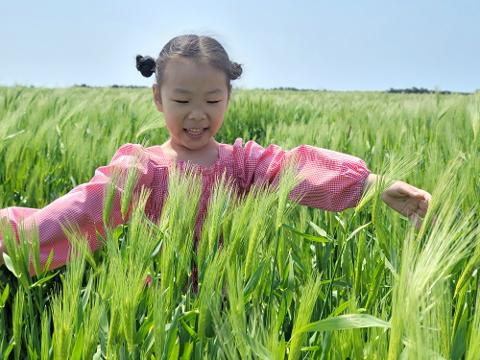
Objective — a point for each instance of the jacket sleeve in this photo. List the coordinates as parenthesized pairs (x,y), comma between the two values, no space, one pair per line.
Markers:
(82,207)
(331,180)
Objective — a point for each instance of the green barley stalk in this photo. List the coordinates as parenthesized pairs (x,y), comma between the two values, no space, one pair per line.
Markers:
(128,273)
(86,341)
(219,211)
(209,296)
(177,224)
(66,307)
(217,321)
(16,254)
(427,262)
(45,336)
(236,313)
(18,318)
(306,302)
(474,337)
(236,237)
(258,228)
(130,185)
(109,198)
(141,238)
(160,319)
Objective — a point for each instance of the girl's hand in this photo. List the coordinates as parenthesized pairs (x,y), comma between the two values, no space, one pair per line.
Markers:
(408,200)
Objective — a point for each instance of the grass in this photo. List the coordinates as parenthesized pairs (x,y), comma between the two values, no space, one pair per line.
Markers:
(288,281)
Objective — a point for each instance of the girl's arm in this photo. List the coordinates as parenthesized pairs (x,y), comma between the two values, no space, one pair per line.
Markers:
(82,207)
(331,180)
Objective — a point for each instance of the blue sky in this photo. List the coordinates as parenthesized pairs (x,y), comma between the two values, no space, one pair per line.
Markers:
(342,45)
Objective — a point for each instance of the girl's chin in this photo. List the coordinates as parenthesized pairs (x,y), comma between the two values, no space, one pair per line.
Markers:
(195,144)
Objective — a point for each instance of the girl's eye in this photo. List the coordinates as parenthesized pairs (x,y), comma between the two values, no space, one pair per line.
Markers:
(213,102)
(181,101)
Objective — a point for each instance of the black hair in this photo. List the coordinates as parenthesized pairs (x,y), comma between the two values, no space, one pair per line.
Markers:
(190,46)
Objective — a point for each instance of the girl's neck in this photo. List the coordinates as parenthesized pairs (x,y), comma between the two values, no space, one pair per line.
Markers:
(206,156)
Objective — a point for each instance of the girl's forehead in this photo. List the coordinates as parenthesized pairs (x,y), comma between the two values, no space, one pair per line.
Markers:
(180,73)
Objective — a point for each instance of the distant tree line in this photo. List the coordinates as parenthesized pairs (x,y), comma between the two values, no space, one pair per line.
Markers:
(412,90)
(114,86)
(282,88)
(415,90)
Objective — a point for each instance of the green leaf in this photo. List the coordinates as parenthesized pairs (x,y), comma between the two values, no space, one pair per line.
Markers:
(9,349)
(174,351)
(48,262)
(4,297)
(360,228)
(189,329)
(44,280)
(103,331)
(10,266)
(187,351)
(319,239)
(157,248)
(172,346)
(254,279)
(320,231)
(459,343)
(343,322)
(118,232)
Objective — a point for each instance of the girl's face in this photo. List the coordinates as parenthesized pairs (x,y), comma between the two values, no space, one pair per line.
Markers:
(193,98)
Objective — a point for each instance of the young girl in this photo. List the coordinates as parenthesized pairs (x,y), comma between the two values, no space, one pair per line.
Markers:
(192,90)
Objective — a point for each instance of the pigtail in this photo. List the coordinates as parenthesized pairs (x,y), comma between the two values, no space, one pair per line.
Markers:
(235,70)
(146,65)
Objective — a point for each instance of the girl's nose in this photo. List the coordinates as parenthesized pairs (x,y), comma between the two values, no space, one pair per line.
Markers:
(197,114)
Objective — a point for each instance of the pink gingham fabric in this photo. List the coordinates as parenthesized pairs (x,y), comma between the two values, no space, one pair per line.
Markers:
(331,180)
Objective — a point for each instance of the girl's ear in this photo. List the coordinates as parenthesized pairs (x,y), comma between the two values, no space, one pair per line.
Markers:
(157,97)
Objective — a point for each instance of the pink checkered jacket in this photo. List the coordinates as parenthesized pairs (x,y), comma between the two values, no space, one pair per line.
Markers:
(331,180)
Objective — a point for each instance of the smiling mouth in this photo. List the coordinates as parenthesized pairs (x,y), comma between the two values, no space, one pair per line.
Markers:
(195,131)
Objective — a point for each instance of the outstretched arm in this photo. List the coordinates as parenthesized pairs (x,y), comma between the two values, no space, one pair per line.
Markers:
(404,198)
(81,207)
(333,181)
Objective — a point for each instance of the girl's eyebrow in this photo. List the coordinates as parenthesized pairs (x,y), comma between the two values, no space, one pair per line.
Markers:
(184,91)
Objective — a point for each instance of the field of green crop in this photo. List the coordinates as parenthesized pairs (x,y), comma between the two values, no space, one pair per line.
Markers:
(289,281)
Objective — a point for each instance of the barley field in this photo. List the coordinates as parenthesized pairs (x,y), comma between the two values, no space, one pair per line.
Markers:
(288,282)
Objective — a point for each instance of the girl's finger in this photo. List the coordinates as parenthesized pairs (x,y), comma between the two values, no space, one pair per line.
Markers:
(422,212)
(423,205)
(416,220)
(418,195)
